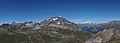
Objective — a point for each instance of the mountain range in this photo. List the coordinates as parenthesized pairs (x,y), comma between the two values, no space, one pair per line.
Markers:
(96,27)
(60,30)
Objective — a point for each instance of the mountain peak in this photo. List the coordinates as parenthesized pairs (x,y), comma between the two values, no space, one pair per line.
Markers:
(57,17)
(59,21)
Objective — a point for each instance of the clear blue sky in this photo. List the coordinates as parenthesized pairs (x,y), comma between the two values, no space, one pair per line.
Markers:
(74,10)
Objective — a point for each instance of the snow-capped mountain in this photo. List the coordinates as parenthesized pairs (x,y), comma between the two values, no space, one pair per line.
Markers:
(59,22)
(90,27)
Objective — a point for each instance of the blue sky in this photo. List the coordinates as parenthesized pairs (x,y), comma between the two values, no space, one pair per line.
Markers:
(73,10)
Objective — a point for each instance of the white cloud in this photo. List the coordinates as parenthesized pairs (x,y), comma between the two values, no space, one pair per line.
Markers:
(87,22)
(76,20)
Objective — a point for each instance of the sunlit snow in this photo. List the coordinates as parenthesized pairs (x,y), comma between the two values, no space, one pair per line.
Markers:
(54,19)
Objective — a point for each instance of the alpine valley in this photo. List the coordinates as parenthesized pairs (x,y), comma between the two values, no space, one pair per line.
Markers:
(60,30)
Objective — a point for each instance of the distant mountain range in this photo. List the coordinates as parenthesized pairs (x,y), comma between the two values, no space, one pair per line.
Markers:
(60,30)
(94,27)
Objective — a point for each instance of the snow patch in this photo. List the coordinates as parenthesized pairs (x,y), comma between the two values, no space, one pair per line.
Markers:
(50,20)
(54,19)
(58,23)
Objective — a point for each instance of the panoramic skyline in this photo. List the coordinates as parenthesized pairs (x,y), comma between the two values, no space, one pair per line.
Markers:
(73,10)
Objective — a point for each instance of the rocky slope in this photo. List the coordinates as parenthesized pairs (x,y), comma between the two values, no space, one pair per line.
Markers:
(54,30)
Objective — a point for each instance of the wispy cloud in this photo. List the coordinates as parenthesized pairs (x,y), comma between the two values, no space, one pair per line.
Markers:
(76,20)
(80,21)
